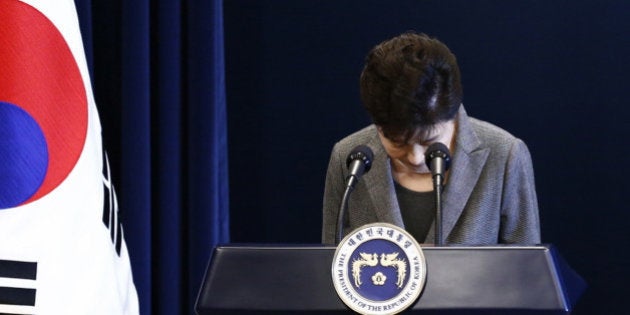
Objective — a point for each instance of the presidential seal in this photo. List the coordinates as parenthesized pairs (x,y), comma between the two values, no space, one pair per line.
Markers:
(379,269)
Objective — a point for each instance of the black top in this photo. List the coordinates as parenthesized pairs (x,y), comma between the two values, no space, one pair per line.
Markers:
(417,209)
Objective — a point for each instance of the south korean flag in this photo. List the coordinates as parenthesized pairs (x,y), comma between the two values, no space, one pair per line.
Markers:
(62,248)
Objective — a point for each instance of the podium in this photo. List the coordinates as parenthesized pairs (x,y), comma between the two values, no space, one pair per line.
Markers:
(460,280)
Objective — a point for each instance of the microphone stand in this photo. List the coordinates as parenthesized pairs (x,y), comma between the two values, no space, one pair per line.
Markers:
(341,214)
(437,188)
(438,158)
(359,162)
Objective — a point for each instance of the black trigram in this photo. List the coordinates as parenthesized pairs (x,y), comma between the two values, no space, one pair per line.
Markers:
(110,206)
(17,286)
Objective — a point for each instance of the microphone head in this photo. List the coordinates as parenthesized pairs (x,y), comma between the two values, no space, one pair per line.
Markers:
(438,150)
(362,153)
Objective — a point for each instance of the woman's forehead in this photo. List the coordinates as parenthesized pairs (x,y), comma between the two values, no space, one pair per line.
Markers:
(420,134)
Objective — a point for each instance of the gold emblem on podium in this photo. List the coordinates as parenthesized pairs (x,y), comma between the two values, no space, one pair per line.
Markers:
(379,269)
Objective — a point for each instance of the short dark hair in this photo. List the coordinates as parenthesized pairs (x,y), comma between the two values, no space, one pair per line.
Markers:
(410,83)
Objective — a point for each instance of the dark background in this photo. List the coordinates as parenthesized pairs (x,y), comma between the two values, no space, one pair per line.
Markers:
(553,73)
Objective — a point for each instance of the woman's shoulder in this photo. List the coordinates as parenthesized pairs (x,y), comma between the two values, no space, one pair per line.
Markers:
(487,130)
(497,139)
(364,136)
(474,133)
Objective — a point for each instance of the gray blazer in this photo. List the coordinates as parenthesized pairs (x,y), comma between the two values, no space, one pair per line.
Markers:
(489,198)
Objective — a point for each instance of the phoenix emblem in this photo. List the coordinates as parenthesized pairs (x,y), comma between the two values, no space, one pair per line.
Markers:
(387,260)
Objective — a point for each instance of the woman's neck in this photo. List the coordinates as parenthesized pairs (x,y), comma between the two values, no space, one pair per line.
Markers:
(414,181)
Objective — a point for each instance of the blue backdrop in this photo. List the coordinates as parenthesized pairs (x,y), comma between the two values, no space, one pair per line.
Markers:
(158,76)
(552,72)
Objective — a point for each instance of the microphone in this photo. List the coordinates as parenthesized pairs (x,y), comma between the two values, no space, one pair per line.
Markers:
(359,162)
(438,159)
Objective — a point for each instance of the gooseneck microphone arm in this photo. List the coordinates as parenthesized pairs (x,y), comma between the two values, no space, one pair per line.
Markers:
(437,157)
(437,188)
(359,162)
(341,215)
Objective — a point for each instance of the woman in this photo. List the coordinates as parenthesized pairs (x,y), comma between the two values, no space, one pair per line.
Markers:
(411,88)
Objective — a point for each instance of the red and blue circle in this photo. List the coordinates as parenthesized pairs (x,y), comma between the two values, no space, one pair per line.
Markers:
(43,106)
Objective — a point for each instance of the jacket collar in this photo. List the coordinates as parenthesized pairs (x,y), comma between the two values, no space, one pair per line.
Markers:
(467,162)
(383,196)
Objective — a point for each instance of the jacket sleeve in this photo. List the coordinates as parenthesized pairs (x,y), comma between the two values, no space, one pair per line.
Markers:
(519,212)
(333,192)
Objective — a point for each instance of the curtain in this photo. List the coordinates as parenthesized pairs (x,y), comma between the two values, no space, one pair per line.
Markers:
(158,74)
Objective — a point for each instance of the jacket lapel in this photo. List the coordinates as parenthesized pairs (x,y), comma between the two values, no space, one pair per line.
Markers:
(383,197)
(468,161)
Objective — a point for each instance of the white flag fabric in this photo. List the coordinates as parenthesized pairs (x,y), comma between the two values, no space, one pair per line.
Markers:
(62,248)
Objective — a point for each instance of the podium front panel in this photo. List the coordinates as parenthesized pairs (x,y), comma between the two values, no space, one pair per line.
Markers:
(470,280)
